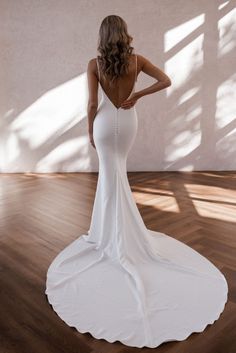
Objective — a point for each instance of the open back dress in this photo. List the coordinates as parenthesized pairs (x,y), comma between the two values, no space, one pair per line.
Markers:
(122,281)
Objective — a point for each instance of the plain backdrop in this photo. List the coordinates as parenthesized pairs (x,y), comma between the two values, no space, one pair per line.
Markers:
(45,48)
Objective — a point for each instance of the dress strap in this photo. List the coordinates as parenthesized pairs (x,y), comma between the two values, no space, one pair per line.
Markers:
(98,69)
(136,68)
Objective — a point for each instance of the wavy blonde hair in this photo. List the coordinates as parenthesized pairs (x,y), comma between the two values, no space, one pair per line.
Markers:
(114,47)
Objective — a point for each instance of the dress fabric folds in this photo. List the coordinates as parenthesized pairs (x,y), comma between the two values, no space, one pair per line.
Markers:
(122,281)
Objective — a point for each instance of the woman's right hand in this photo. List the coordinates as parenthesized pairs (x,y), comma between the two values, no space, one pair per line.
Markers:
(91,139)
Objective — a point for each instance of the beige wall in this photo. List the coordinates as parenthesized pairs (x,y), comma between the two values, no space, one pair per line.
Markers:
(45,47)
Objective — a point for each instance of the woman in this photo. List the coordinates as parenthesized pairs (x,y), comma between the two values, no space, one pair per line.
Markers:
(119,65)
(123,281)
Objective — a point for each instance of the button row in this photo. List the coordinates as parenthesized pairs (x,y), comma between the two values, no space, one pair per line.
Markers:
(116,124)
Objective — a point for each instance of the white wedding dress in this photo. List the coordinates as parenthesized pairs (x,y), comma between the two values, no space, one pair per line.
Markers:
(123,281)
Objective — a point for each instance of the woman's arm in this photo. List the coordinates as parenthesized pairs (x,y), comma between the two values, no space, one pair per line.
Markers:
(93,93)
(148,68)
(93,97)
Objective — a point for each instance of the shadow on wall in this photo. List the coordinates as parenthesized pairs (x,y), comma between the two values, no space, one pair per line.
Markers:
(195,129)
(51,135)
(201,125)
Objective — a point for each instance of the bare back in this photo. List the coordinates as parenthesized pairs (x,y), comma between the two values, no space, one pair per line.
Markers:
(119,91)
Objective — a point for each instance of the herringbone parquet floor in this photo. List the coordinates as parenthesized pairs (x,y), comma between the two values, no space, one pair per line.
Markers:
(40,214)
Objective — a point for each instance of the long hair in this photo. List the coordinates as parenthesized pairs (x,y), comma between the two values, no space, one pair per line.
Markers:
(114,47)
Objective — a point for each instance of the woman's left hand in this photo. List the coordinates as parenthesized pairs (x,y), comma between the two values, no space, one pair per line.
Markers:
(129,103)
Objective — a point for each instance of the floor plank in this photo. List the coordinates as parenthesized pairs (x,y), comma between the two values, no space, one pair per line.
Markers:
(40,214)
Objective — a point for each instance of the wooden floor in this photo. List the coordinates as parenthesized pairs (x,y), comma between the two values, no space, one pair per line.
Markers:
(41,214)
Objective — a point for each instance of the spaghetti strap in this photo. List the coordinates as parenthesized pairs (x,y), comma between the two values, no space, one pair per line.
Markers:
(136,68)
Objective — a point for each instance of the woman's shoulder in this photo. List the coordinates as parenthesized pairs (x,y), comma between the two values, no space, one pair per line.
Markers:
(92,61)
(141,58)
(143,61)
(92,65)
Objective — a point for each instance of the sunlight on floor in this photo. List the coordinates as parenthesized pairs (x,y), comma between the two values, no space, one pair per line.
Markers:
(164,203)
(159,199)
(208,201)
